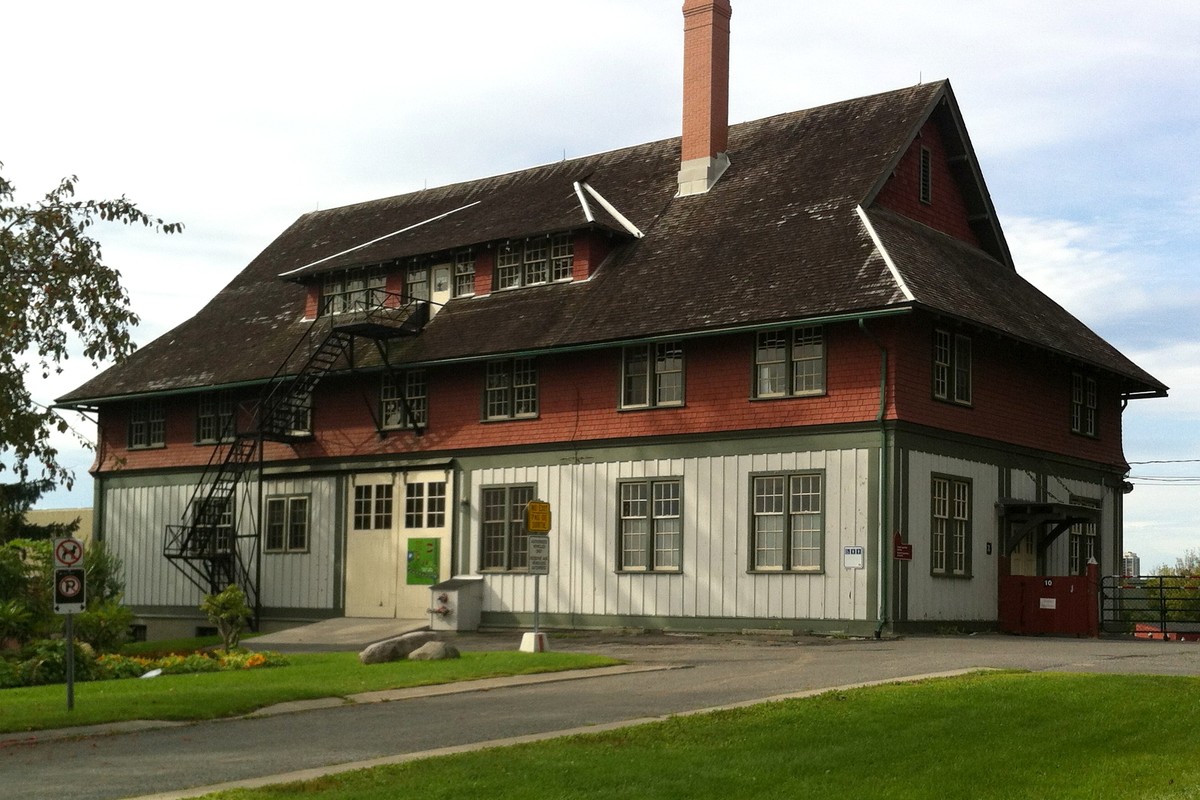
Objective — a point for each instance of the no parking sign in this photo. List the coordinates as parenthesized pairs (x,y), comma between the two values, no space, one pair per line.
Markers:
(69,590)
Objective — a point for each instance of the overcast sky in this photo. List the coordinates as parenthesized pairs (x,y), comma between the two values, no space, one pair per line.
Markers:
(236,118)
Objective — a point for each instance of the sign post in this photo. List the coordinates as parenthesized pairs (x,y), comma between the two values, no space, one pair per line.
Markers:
(537,526)
(70,598)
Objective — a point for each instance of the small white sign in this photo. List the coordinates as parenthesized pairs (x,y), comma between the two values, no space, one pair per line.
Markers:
(1048,603)
(539,554)
(854,556)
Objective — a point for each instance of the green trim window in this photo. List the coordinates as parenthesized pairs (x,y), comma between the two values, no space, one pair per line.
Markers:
(788,522)
(652,375)
(464,274)
(352,291)
(950,526)
(147,424)
(287,525)
(1083,404)
(651,526)
(511,389)
(535,261)
(215,418)
(790,362)
(397,390)
(1081,547)
(952,367)
(503,539)
(373,506)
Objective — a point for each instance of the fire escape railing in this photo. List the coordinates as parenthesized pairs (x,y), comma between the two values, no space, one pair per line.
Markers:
(206,545)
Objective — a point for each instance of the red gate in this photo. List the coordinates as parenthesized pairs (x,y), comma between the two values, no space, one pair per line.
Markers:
(1050,604)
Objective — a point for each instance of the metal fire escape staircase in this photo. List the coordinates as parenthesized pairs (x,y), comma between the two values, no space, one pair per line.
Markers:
(208,546)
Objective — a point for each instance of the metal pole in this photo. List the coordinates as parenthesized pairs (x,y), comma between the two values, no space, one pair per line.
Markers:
(70,662)
(537,581)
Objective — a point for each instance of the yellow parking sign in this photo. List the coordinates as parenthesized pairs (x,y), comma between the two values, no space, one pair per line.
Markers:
(537,517)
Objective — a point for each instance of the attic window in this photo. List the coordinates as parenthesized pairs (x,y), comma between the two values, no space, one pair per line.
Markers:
(352,290)
(535,261)
(926,176)
(464,274)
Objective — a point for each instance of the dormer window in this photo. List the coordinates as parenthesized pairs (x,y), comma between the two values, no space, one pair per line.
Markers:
(352,291)
(535,261)
(464,274)
(416,283)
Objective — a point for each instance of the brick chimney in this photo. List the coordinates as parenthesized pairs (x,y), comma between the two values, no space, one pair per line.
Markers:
(705,94)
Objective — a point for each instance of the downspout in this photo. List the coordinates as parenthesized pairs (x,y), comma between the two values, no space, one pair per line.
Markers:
(885,564)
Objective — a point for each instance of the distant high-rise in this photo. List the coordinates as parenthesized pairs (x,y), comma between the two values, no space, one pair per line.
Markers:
(1131,564)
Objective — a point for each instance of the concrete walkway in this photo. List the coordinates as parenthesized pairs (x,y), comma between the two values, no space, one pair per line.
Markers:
(667,675)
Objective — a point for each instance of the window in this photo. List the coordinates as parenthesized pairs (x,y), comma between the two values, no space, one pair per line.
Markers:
(511,389)
(1083,404)
(788,526)
(952,367)
(414,505)
(403,400)
(926,189)
(373,506)
(535,261)
(147,424)
(790,363)
(651,526)
(352,291)
(1082,547)
(425,505)
(215,418)
(652,375)
(287,525)
(505,541)
(416,283)
(950,528)
(294,417)
(215,519)
(464,274)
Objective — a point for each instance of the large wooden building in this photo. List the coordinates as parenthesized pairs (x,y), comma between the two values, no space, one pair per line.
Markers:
(742,365)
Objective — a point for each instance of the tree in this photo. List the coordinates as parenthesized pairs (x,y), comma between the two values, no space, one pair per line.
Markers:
(15,500)
(53,284)
(1189,564)
(229,612)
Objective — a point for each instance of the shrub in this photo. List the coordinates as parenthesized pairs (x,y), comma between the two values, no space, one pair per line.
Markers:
(48,663)
(105,625)
(229,612)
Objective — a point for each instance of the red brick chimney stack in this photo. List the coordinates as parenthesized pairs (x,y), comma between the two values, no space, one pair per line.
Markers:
(705,94)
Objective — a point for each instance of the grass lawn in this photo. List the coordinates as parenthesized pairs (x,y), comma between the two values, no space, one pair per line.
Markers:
(989,735)
(222,694)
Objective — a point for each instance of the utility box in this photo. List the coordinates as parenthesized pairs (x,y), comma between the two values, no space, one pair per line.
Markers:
(456,604)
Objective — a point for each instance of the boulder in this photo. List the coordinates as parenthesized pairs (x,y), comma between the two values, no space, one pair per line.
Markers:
(433,651)
(395,649)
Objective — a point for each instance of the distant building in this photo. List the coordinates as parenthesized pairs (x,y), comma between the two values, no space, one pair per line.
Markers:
(1131,564)
(64,516)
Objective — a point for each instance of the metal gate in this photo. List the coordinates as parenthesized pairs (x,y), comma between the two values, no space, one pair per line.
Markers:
(1151,606)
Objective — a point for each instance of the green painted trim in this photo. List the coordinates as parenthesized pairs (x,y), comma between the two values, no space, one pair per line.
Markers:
(340,528)
(636,624)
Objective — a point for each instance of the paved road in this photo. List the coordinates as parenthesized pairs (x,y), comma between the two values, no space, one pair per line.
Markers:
(708,672)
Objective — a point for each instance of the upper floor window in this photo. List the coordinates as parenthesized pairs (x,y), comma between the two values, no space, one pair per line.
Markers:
(1083,404)
(416,283)
(652,375)
(651,530)
(147,424)
(790,362)
(511,389)
(464,274)
(951,367)
(534,261)
(287,525)
(788,525)
(504,540)
(215,420)
(403,400)
(293,416)
(352,291)
(950,526)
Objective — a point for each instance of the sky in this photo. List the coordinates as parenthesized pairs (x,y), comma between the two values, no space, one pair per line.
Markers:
(236,118)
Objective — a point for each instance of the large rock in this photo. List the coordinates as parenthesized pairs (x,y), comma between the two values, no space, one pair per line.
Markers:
(433,651)
(396,649)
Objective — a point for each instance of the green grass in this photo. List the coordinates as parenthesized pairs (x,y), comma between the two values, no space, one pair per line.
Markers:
(223,694)
(993,735)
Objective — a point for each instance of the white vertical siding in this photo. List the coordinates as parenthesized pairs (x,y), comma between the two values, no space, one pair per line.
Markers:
(305,580)
(715,581)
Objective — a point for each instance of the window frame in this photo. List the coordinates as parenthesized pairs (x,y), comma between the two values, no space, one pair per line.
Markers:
(1084,405)
(651,562)
(653,379)
(375,509)
(1082,544)
(789,532)
(944,560)
(790,361)
(952,367)
(286,532)
(343,291)
(463,274)
(416,393)
(147,428)
(507,384)
(536,261)
(508,530)
(218,422)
